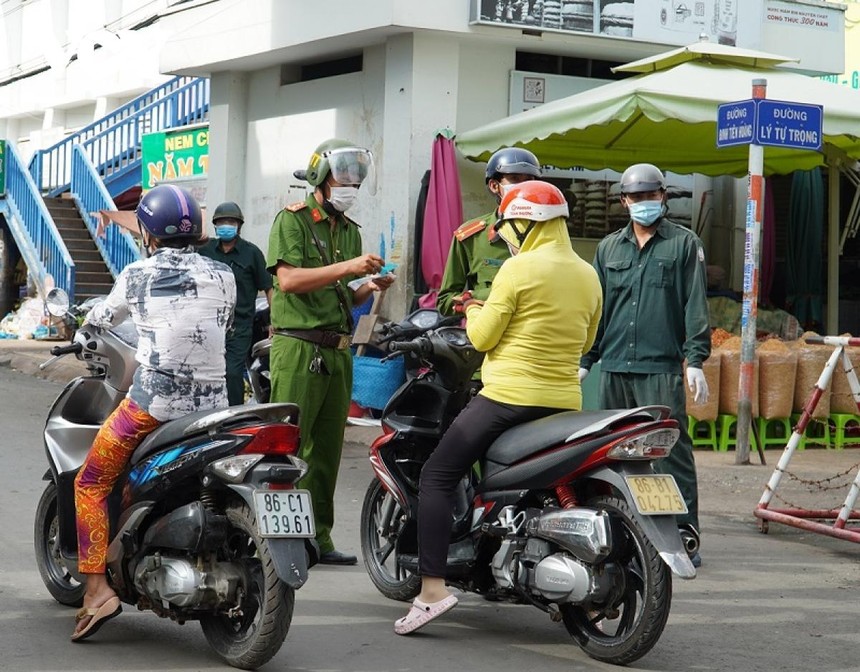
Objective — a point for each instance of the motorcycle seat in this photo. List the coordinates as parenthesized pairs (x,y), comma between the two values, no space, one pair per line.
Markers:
(537,435)
(181,428)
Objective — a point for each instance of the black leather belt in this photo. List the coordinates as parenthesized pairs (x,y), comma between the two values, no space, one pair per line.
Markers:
(327,339)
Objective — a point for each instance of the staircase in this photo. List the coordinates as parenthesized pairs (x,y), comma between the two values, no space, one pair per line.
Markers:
(92,277)
(61,243)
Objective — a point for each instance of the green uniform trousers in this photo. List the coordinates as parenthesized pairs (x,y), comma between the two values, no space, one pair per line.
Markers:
(238,345)
(323,400)
(629,390)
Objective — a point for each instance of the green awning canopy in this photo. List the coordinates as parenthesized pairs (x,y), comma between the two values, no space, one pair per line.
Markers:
(668,117)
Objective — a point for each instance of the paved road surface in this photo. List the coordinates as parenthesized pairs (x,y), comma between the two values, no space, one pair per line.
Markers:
(782,601)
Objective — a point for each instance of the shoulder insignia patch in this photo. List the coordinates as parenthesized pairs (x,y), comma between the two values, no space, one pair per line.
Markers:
(295,207)
(469,229)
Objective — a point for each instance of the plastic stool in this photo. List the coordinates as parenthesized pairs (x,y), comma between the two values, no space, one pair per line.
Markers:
(768,436)
(727,437)
(817,432)
(841,422)
(708,437)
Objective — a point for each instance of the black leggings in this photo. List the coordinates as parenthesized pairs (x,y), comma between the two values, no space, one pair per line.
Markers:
(465,442)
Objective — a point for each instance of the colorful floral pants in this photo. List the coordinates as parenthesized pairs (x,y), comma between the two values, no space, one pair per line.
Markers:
(121,433)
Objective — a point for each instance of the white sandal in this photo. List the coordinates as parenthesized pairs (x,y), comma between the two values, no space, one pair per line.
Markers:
(421,613)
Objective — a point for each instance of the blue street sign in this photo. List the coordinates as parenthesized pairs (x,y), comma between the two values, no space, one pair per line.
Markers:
(785,124)
(736,123)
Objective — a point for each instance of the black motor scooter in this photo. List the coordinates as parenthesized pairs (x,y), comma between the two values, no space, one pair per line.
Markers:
(206,521)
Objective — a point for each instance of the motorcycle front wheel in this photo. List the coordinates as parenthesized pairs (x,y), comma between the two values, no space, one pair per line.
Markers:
(252,633)
(382,521)
(53,568)
(630,627)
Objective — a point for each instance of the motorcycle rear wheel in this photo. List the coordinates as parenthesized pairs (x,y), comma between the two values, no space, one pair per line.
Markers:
(252,637)
(644,608)
(380,549)
(53,568)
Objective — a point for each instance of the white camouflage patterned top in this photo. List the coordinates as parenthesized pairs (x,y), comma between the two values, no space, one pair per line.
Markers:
(182,305)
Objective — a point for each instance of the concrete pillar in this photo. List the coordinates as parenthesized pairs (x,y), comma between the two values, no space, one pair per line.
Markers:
(228,137)
(421,80)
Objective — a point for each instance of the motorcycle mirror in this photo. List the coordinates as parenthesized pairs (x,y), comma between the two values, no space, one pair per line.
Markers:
(57,302)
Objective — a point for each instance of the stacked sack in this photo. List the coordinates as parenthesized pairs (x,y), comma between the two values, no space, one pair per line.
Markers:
(811,360)
(730,373)
(841,398)
(777,374)
(710,409)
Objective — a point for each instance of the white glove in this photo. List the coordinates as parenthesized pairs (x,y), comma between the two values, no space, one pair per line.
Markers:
(583,374)
(697,384)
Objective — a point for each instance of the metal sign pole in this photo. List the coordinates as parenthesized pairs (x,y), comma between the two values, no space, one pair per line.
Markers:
(755,207)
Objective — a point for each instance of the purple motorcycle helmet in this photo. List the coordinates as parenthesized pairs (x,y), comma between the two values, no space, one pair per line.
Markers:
(166,211)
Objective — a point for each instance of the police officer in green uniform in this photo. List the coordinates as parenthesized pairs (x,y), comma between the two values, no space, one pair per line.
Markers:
(477,252)
(314,251)
(249,268)
(655,314)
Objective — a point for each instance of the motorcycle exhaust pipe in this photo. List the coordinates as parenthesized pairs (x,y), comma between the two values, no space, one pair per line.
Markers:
(690,538)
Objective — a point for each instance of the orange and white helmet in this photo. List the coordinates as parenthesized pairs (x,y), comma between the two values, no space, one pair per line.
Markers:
(534,200)
(525,204)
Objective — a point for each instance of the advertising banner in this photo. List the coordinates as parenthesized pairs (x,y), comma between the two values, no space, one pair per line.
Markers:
(671,22)
(180,155)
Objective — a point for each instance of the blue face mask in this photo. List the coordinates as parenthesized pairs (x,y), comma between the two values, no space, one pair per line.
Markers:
(226,232)
(646,212)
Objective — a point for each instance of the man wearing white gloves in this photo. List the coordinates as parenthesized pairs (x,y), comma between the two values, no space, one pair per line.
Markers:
(655,315)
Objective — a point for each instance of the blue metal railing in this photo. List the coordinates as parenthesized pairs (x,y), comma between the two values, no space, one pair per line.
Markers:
(116,150)
(90,195)
(34,230)
(113,142)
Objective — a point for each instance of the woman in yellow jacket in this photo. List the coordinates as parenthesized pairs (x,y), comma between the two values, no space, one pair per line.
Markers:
(540,317)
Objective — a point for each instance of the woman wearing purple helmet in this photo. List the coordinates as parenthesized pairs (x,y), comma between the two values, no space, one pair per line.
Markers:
(181,304)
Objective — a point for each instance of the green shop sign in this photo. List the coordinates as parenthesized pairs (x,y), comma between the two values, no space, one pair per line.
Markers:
(174,156)
(2,167)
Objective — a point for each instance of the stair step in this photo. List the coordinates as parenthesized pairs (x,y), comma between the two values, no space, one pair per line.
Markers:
(70,222)
(90,265)
(69,235)
(88,255)
(89,278)
(92,289)
(78,245)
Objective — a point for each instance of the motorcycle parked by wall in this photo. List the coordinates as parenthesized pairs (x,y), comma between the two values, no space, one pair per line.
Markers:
(206,524)
(564,513)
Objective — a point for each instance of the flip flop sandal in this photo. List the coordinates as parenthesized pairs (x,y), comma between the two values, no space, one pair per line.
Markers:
(98,617)
(421,613)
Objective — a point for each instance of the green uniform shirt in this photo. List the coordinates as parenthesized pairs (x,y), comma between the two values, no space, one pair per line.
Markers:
(473,262)
(290,241)
(249,267)
(654,308)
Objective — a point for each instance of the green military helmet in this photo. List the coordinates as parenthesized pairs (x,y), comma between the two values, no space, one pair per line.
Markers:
(228,210)
(347,163)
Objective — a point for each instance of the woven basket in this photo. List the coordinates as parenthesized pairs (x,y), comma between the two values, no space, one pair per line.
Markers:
(375,381)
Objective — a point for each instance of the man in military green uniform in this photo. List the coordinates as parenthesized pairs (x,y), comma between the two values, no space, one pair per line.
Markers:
(249,268)
(314,251)
(477,252)
(655,314)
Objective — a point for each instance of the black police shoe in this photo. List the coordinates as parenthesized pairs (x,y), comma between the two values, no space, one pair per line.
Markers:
(337,558)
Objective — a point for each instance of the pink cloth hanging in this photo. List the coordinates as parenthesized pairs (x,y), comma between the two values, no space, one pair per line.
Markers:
(443,213)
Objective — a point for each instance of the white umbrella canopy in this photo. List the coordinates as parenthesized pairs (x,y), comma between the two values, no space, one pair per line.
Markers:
(720,54)
(668,117)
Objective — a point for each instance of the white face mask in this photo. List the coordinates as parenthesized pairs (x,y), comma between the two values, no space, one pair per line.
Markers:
(343,198)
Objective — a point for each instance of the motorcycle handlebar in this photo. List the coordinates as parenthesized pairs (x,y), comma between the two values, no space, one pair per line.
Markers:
(417,346)
(72,348)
